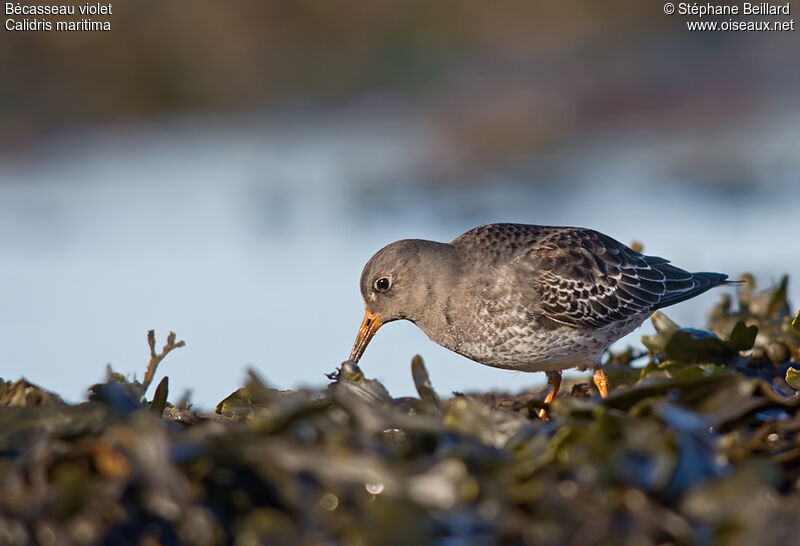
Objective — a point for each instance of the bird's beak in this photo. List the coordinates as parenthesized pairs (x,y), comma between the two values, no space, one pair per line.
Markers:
(369,326)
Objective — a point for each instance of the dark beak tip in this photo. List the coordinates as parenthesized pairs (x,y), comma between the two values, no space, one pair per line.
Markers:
(369,326)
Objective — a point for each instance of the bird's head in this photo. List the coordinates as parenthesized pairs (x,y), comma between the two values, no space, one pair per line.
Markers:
(398,283)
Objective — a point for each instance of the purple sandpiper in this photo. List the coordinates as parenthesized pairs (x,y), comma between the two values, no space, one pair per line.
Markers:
(523,297)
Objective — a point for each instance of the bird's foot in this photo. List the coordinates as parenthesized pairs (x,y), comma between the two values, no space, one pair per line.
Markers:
(554,380)
(601,380)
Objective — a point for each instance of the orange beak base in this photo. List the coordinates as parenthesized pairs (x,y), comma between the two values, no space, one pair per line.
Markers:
(369,326)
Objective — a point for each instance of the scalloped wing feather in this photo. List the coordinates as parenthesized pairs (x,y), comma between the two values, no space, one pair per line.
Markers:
(585,278)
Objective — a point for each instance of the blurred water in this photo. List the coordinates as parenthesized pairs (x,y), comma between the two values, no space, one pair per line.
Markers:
(247,238)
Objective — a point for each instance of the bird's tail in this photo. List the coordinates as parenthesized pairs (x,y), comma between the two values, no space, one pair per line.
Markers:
(686,288)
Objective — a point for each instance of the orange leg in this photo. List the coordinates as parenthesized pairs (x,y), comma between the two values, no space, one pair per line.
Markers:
(601,380)
(554,380)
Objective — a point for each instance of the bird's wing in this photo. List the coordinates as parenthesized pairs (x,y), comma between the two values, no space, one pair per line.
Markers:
(584,278)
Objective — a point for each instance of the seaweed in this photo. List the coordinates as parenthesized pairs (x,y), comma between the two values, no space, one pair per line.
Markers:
(697,443)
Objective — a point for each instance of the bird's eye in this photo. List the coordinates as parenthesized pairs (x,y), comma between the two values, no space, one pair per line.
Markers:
(382,284)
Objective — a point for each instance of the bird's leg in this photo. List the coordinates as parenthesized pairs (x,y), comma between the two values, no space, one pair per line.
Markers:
(554,380)
(601,380)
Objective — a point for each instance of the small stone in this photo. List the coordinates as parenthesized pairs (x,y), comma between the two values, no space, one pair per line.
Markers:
(777,352)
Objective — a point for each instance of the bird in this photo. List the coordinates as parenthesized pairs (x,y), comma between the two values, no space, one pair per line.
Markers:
(523,297)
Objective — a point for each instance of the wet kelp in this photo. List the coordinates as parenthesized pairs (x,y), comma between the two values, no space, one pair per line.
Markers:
(697,444)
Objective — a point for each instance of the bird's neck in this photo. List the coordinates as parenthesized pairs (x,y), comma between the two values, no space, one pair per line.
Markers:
(435,316)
